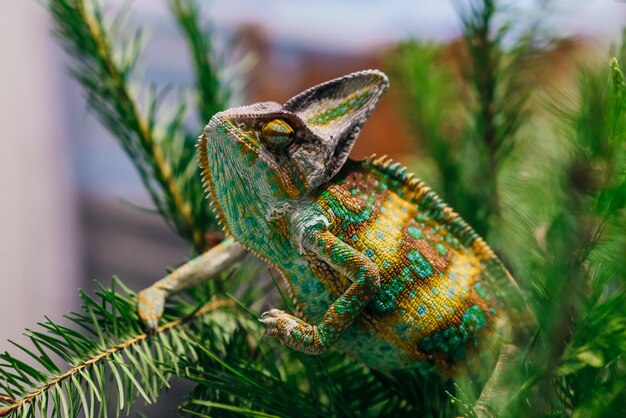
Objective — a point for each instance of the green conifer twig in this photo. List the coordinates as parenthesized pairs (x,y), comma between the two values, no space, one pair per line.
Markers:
(106,83)
(107,354)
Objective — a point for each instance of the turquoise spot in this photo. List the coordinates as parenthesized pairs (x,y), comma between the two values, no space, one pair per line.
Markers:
(421,310)
(474,319)
(355,237)
(441,249)
(434,291)
(450,292)
(415,232)
(380,235)
(369,253)
(386,264)
(404,209)
(343,306)
(339,255)
(385,300)
(419,264)
(412,294)
(454,341)
(343,213)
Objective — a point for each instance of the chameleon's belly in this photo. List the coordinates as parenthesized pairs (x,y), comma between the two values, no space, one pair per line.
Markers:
(408,323)
(431,323)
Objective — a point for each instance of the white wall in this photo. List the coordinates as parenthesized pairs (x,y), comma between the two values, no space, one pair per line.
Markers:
(38,223)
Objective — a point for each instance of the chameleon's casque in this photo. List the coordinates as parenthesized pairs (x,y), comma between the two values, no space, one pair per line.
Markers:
(377,264)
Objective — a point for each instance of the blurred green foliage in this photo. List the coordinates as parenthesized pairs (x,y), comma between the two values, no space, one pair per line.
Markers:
(541,173)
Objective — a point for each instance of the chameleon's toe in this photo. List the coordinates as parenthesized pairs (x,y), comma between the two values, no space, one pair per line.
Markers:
(150,304)
(272,320)
(293,332)
(272,313)
(280,324)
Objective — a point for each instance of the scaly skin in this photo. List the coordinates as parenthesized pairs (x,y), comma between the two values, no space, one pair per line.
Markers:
(377,264)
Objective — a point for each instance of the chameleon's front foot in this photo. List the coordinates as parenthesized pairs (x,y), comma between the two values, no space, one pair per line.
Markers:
(294,332)
(151,301)
(151,304)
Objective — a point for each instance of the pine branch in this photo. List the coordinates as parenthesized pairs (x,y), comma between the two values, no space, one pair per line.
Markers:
(575,261)
(430,85)
(165,163)
(562,214)
(500,90)
(211,95)
(467,113)
(110,359)
(587,334)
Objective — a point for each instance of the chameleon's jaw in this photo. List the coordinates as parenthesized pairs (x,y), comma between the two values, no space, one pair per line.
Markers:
(242,178)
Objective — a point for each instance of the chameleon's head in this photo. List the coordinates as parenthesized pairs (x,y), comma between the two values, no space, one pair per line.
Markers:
(276,154)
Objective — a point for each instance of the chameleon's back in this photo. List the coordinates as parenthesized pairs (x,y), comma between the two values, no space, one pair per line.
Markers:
(443,291)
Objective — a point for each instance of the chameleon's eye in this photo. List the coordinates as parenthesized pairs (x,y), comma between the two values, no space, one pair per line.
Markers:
(277,134)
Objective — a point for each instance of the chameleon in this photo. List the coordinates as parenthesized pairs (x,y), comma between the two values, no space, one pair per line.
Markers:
(378,266)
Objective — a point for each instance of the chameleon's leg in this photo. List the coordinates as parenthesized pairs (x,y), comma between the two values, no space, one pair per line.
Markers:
(315,339)
(501,383)
(151,301)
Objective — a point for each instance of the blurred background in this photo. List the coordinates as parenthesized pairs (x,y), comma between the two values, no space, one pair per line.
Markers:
(69,191)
